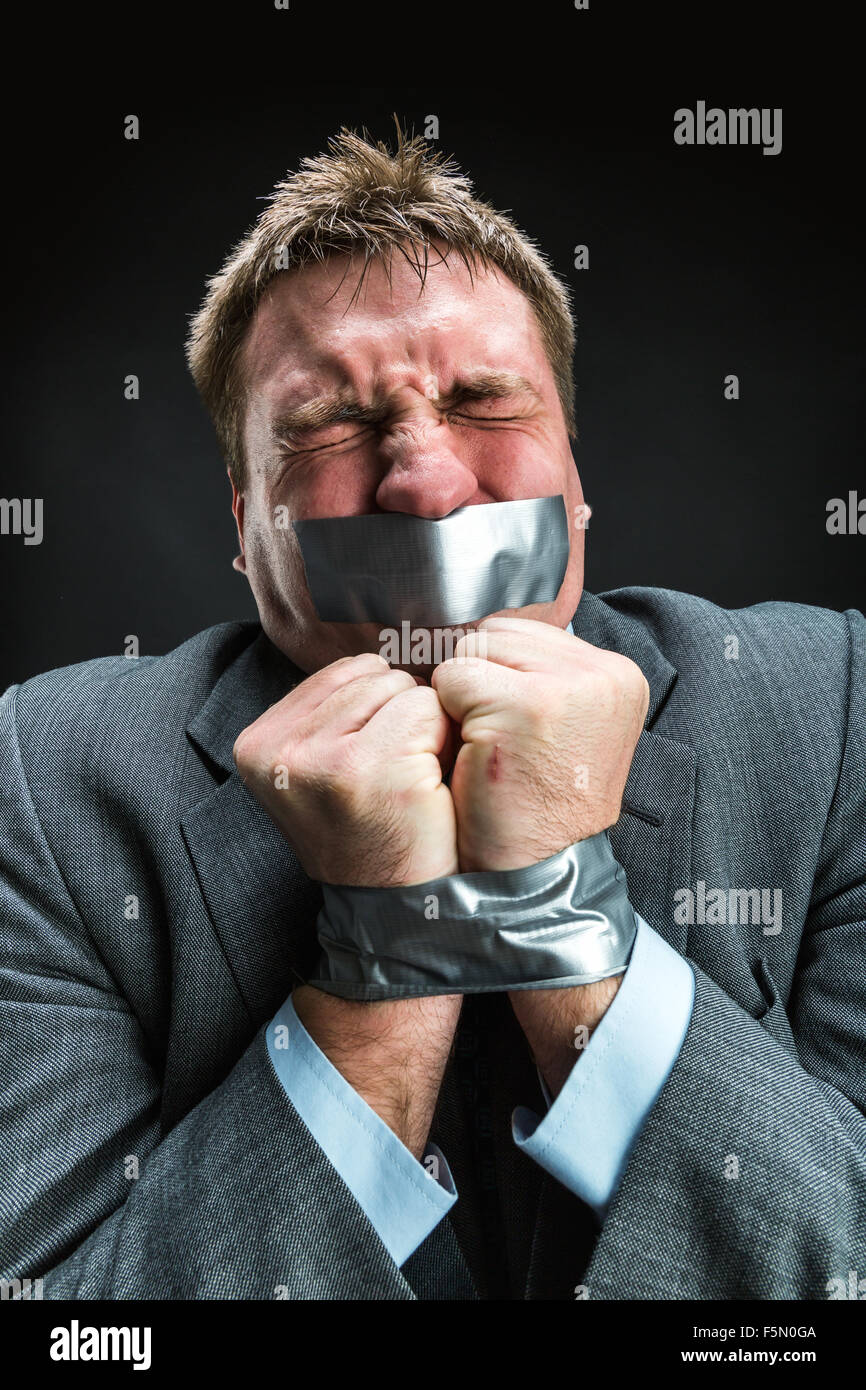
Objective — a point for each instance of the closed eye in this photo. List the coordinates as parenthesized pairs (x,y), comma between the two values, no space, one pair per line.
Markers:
(482,404)
(334,436)
(482,418)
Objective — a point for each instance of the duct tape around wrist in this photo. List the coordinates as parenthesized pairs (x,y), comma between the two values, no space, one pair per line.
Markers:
(563,921)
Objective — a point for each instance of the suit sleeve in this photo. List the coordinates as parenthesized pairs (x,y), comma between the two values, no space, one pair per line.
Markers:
(749,1176)
(237,1201)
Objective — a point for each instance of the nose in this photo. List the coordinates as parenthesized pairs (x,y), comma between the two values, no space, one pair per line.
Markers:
(424,477)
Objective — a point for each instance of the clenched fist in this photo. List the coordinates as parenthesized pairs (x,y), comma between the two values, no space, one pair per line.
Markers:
(549,726)
(348,767)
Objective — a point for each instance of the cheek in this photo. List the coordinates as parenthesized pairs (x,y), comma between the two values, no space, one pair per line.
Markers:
(343,486)
(513,464)
(271,547)
(572,490)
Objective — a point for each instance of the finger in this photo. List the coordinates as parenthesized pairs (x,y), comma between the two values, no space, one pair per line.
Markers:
(468,686)
(312,692)
(557,637)
(528,626)
(348,709)
(415,717)
(527,649)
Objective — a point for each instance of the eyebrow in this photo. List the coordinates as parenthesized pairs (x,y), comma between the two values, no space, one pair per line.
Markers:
(343,405)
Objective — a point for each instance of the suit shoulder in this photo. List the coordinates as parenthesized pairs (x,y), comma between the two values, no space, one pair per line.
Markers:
(777,635)
(788,673)
(113,700)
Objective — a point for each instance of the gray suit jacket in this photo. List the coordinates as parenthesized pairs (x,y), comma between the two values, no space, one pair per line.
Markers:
(152,920)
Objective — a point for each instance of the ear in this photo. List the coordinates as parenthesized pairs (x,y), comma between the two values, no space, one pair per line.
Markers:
(239,562)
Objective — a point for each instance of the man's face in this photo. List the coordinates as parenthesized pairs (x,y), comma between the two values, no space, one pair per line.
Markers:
(408,400)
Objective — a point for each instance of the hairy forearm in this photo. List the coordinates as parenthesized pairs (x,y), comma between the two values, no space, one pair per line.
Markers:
(393,1052)
(559,1022)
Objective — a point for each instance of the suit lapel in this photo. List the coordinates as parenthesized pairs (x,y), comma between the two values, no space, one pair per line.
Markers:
(262,903)
(653,837)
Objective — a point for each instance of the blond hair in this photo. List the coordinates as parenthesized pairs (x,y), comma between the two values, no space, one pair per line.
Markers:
(361,198)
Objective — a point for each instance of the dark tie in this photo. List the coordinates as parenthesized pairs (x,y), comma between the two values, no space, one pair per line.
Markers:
(514,1232)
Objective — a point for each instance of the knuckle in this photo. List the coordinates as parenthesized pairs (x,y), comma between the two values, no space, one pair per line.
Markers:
(446,668)
(360,659)
(470,644)
(402,681)
(632,674)
(244,749)
(425,700)
(372,662)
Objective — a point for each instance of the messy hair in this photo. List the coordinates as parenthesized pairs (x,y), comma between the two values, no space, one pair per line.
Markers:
(360,199)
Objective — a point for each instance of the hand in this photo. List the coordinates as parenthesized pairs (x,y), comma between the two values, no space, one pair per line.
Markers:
(549,726)
(347,766)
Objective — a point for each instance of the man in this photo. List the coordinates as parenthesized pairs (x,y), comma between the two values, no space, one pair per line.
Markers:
(201,1099)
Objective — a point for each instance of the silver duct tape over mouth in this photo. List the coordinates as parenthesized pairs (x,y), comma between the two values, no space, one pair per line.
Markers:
(391,568)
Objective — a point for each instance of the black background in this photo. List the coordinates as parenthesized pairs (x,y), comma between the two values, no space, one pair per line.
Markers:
(703,262)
